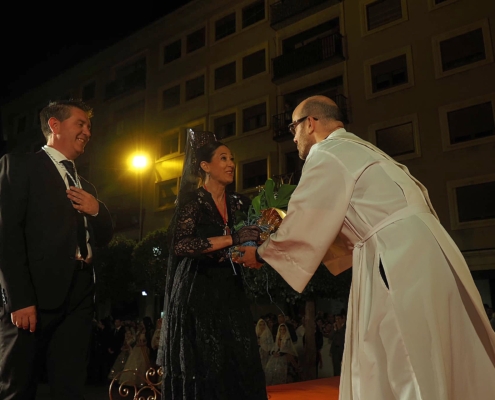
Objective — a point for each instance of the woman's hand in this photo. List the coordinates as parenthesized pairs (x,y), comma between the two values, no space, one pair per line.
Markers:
(250,233)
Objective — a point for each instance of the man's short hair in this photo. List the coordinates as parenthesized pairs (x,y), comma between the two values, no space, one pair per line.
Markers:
(61,109)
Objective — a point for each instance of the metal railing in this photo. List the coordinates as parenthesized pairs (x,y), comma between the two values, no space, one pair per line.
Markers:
(286,9)
(134,80)
(320,50)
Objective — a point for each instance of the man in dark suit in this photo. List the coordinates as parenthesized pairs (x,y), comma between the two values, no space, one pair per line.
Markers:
(115,341)
(50,224)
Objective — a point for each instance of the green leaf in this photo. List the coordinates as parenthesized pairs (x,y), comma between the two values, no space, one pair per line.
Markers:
(270,192)
(283,196)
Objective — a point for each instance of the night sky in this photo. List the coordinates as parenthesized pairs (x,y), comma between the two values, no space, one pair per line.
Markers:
(40,41)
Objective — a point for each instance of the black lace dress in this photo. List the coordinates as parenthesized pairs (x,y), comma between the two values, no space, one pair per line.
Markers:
(210,349)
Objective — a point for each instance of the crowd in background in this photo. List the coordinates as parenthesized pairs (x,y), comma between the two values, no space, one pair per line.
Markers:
(118,345)
(281,341)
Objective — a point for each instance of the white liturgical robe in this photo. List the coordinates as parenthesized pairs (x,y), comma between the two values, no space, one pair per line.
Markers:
(422,334)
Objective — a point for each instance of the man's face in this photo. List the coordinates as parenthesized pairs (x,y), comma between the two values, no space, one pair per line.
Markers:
(302,139)
(117,323)
(71,135)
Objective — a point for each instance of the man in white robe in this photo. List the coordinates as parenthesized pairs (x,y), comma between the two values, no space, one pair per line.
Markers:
(416,326)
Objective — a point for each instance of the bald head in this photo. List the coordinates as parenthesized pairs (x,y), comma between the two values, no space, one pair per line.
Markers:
(322,107)
(325,111)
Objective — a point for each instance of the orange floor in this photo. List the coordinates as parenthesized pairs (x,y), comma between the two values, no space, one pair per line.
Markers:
(318,389)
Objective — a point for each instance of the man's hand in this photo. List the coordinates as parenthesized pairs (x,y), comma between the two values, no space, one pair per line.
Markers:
(25,318)
(248,259)
(83,201)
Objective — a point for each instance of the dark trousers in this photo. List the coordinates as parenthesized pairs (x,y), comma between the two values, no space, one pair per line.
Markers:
(59,346)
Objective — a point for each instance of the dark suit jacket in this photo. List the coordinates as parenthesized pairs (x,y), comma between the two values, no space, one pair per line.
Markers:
(38,231)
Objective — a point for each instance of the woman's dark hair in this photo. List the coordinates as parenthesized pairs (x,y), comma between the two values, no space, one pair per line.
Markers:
(205,153)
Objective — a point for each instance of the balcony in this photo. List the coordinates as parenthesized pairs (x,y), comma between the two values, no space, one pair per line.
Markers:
(320,52)
(134,80)
(281,132)
(286,12)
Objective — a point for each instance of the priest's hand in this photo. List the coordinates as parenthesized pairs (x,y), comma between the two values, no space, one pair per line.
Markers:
(248,257)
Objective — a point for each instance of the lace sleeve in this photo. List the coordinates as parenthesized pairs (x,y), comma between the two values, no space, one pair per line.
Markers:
(186,240)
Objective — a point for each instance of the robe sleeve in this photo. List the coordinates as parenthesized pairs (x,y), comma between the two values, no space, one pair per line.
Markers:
(315,215)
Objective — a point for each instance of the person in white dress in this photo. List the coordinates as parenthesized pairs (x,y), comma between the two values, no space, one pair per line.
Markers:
(300,330)
(265,341)
(125,351)
(416,325)
(282,364)
(326,367)
(137,363)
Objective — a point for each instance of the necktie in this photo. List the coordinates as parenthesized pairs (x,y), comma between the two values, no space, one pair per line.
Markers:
(81,228)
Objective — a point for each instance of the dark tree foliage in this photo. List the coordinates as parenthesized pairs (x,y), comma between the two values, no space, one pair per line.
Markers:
(113,267)
(149,262)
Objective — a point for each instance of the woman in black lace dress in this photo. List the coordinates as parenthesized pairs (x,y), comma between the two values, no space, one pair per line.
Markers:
(210,350)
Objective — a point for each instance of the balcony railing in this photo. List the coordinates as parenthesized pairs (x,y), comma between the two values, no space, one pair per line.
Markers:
(134,80)
(285,12)
(280,122)
(325,49)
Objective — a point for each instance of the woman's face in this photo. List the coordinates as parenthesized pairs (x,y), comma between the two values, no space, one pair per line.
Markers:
(283,330)
(262,325)
(221,168)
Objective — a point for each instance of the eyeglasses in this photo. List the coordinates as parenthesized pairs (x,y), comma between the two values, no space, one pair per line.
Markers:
(292,126)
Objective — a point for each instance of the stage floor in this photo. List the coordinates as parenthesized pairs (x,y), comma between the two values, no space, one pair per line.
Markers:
(318,389)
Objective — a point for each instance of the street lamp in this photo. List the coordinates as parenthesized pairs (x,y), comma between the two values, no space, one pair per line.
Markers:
(139,163)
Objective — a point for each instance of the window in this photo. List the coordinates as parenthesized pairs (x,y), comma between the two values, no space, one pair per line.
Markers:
(253,13)
(130,69)
(382,14)
(130,120)
(224,126)
(475,202)
(225,75)
(294,165)
(399,138)
(434,4)
(195,87)
(21,124)
(396,140)
(171,97)
(472,202)
(172,51)
(166,193)
(128,77)
(467,123)
(254,174)
(253,64)
(462,49)
(169,144)
(471,123)
(196,40)
(89,91)
(389,73)
(225,26)
(37,121)
(254,117)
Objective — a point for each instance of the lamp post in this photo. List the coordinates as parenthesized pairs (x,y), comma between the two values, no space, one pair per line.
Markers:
(140,162)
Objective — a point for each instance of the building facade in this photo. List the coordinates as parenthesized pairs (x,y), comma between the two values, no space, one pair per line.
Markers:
(415,77)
